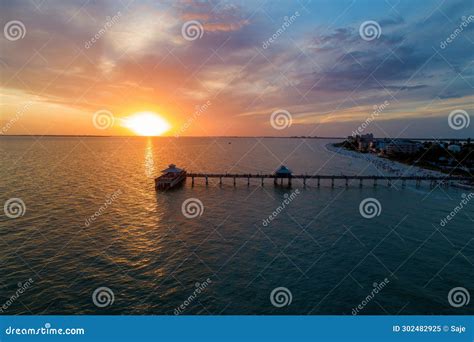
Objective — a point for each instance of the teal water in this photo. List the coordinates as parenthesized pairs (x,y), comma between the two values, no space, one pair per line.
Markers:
(153,258)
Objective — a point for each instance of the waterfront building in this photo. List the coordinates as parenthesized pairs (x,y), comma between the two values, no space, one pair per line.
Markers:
(364,141)
(402,147)
(379,144)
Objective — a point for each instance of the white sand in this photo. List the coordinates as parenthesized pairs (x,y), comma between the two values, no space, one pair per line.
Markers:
(383,165)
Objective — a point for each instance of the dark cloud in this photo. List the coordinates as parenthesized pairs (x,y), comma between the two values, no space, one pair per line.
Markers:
(308,66)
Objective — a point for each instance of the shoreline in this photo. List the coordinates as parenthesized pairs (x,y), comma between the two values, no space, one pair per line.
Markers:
(385,165)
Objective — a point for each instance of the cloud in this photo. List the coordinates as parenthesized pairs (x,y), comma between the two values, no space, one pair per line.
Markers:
(316,69)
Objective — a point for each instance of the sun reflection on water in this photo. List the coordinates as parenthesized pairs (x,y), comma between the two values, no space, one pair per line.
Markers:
(149,162)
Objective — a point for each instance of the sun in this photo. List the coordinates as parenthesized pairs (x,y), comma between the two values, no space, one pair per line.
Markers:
(147,124)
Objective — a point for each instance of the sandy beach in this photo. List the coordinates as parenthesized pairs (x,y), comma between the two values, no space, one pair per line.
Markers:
(383,165)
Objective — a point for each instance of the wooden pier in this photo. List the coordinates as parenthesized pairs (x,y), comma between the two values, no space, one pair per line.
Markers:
(434,180)
(173,176)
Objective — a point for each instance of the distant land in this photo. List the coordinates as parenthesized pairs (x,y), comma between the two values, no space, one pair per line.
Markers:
(230,136)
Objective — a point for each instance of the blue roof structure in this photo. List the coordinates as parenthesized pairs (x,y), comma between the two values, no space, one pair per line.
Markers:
(283,170)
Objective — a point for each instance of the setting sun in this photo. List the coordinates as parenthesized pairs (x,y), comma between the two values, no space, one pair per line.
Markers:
(147,124)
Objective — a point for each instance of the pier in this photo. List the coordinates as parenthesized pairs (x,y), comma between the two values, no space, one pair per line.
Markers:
(173,176)
(316,179)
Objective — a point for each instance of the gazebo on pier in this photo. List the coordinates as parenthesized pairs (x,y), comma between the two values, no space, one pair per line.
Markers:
(283,172)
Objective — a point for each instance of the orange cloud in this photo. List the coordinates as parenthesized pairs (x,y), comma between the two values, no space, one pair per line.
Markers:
(225,27)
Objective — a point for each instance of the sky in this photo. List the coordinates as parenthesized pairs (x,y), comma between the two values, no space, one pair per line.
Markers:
(239,68)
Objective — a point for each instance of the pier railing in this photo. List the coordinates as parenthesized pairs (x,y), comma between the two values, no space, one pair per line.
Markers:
(418,179)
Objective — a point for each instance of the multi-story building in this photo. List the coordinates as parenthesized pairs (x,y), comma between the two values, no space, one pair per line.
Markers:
(364,141)
(379,144)
(402,147)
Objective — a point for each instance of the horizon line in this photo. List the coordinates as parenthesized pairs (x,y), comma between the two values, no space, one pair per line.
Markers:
(212,136)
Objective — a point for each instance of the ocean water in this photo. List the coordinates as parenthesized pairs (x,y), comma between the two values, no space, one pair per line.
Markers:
(141,255)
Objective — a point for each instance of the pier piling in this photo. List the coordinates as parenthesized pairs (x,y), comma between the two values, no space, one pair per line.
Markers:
(443,181)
